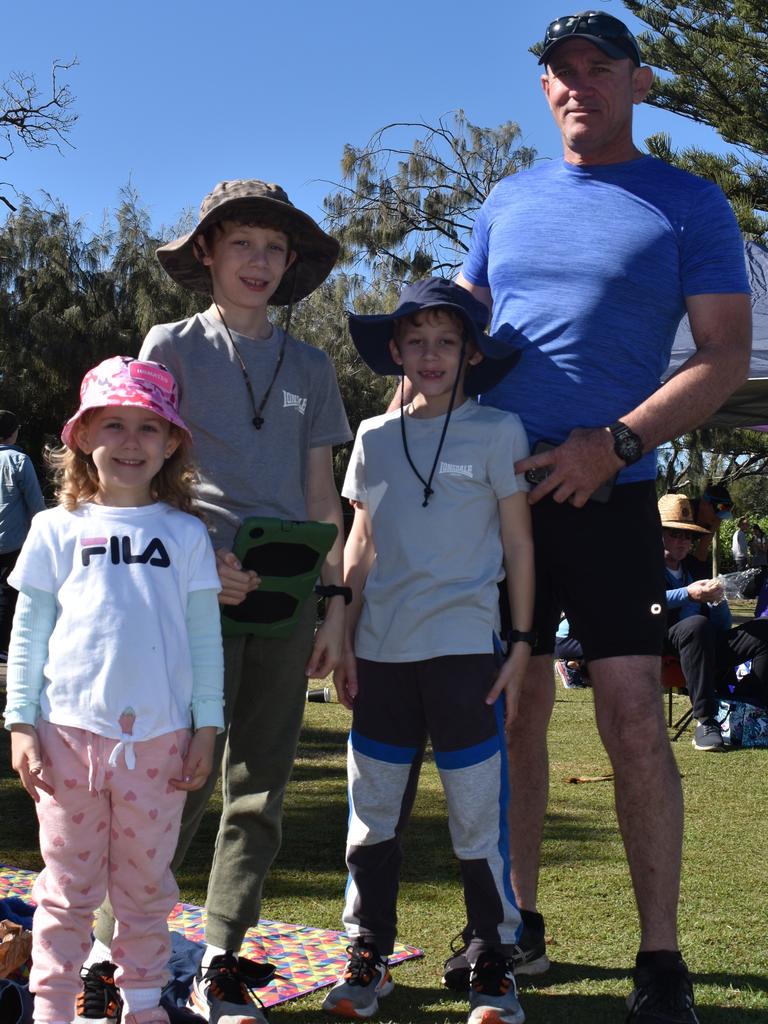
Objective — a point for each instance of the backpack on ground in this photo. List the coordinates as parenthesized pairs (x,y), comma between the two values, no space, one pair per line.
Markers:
(743,724)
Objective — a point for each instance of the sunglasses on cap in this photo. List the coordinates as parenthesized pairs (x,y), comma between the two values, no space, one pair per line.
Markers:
(596,25)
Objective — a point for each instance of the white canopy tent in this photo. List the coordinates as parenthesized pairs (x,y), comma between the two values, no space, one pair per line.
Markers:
(748,406)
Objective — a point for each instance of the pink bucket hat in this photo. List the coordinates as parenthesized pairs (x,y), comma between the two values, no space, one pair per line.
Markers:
(122,380)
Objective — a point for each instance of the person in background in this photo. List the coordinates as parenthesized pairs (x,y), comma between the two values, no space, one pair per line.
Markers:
(740,545)
(700,630)
(711,509)
(758,548)
(20,499)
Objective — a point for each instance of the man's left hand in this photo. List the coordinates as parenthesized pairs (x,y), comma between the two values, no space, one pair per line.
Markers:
(578,466)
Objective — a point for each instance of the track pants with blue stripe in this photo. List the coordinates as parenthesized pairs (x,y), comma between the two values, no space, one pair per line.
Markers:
(397,707)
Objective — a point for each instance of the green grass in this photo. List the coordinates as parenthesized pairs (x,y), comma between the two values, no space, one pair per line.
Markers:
(585,891)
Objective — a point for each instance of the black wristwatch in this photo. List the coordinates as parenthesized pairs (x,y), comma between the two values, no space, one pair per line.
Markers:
(626,443)
(520,636)
(331,591)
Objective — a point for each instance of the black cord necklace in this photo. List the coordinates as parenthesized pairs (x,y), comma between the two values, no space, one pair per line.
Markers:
(428,492)
(258,418)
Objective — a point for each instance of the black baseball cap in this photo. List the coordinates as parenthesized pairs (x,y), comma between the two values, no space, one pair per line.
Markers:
(606,32)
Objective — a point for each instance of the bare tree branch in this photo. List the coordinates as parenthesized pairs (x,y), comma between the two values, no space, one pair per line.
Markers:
(37,119)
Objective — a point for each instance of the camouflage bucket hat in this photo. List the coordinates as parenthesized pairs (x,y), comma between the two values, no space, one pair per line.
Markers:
(266,205)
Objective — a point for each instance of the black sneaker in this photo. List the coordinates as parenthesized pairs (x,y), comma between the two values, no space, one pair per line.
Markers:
(456,969)
(99,1001)
(529,956)
(222,992)
(662,996)
(707,736)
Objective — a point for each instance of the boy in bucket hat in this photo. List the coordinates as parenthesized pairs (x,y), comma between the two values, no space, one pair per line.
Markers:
(264,410)
(440,518)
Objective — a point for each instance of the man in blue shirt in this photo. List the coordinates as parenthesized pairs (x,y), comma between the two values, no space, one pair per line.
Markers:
(20,499)
(590,263)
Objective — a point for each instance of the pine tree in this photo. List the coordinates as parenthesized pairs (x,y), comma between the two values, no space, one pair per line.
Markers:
(713,59)
(405,207)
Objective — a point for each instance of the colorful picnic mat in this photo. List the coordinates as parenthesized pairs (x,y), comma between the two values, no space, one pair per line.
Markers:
(306,958)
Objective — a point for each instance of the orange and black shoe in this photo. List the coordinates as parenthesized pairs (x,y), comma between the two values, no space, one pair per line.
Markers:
(222,992)
(492,992)
(365,980)
(99,1001)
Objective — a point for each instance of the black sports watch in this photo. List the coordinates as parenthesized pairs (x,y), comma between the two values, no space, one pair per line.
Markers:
(520,636)
(626,443)
(331,591)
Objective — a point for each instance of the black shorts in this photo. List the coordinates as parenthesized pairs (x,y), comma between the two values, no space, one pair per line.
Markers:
(603,565)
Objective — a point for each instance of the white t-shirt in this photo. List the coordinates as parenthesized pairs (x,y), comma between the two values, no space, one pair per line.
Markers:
(739,544)
(118,658)
(432,590)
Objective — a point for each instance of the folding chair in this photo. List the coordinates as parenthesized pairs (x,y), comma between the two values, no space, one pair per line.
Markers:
(672,678)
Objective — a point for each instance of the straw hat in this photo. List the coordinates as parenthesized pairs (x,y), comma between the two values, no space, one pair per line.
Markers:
(676,513)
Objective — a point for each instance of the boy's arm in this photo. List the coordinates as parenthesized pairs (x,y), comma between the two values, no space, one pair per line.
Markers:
(517,544)
(324,506)
(359,554)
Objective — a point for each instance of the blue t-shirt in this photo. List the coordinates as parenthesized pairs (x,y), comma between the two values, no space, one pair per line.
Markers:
(589,269)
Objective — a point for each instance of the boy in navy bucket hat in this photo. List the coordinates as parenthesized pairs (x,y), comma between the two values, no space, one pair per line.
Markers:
(440,519)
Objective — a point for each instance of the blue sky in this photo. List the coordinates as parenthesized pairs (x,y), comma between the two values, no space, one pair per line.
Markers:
(174,96)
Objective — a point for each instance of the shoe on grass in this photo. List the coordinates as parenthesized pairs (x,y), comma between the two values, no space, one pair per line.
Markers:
(365,980)
(492,992)
(662,996)
(99,1000)
(529,956)
(707,736)
(570,675)
(220,994)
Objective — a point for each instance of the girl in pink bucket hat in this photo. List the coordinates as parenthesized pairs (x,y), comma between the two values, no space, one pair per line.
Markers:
(130,384)
(115,690)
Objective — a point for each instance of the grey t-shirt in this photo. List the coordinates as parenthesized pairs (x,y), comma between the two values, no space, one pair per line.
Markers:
(432,589)
(244,471)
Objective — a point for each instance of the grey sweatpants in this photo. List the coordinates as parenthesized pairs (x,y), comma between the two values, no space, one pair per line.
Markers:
(264,700)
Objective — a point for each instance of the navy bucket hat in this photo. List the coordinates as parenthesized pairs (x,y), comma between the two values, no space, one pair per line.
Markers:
(372,334)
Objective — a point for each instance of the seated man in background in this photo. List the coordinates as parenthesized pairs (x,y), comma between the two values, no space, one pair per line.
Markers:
(699,625)
(570,664)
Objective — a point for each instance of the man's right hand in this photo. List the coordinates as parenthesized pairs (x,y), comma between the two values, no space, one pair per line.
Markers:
(706,591)
(577,467)
(236,582)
